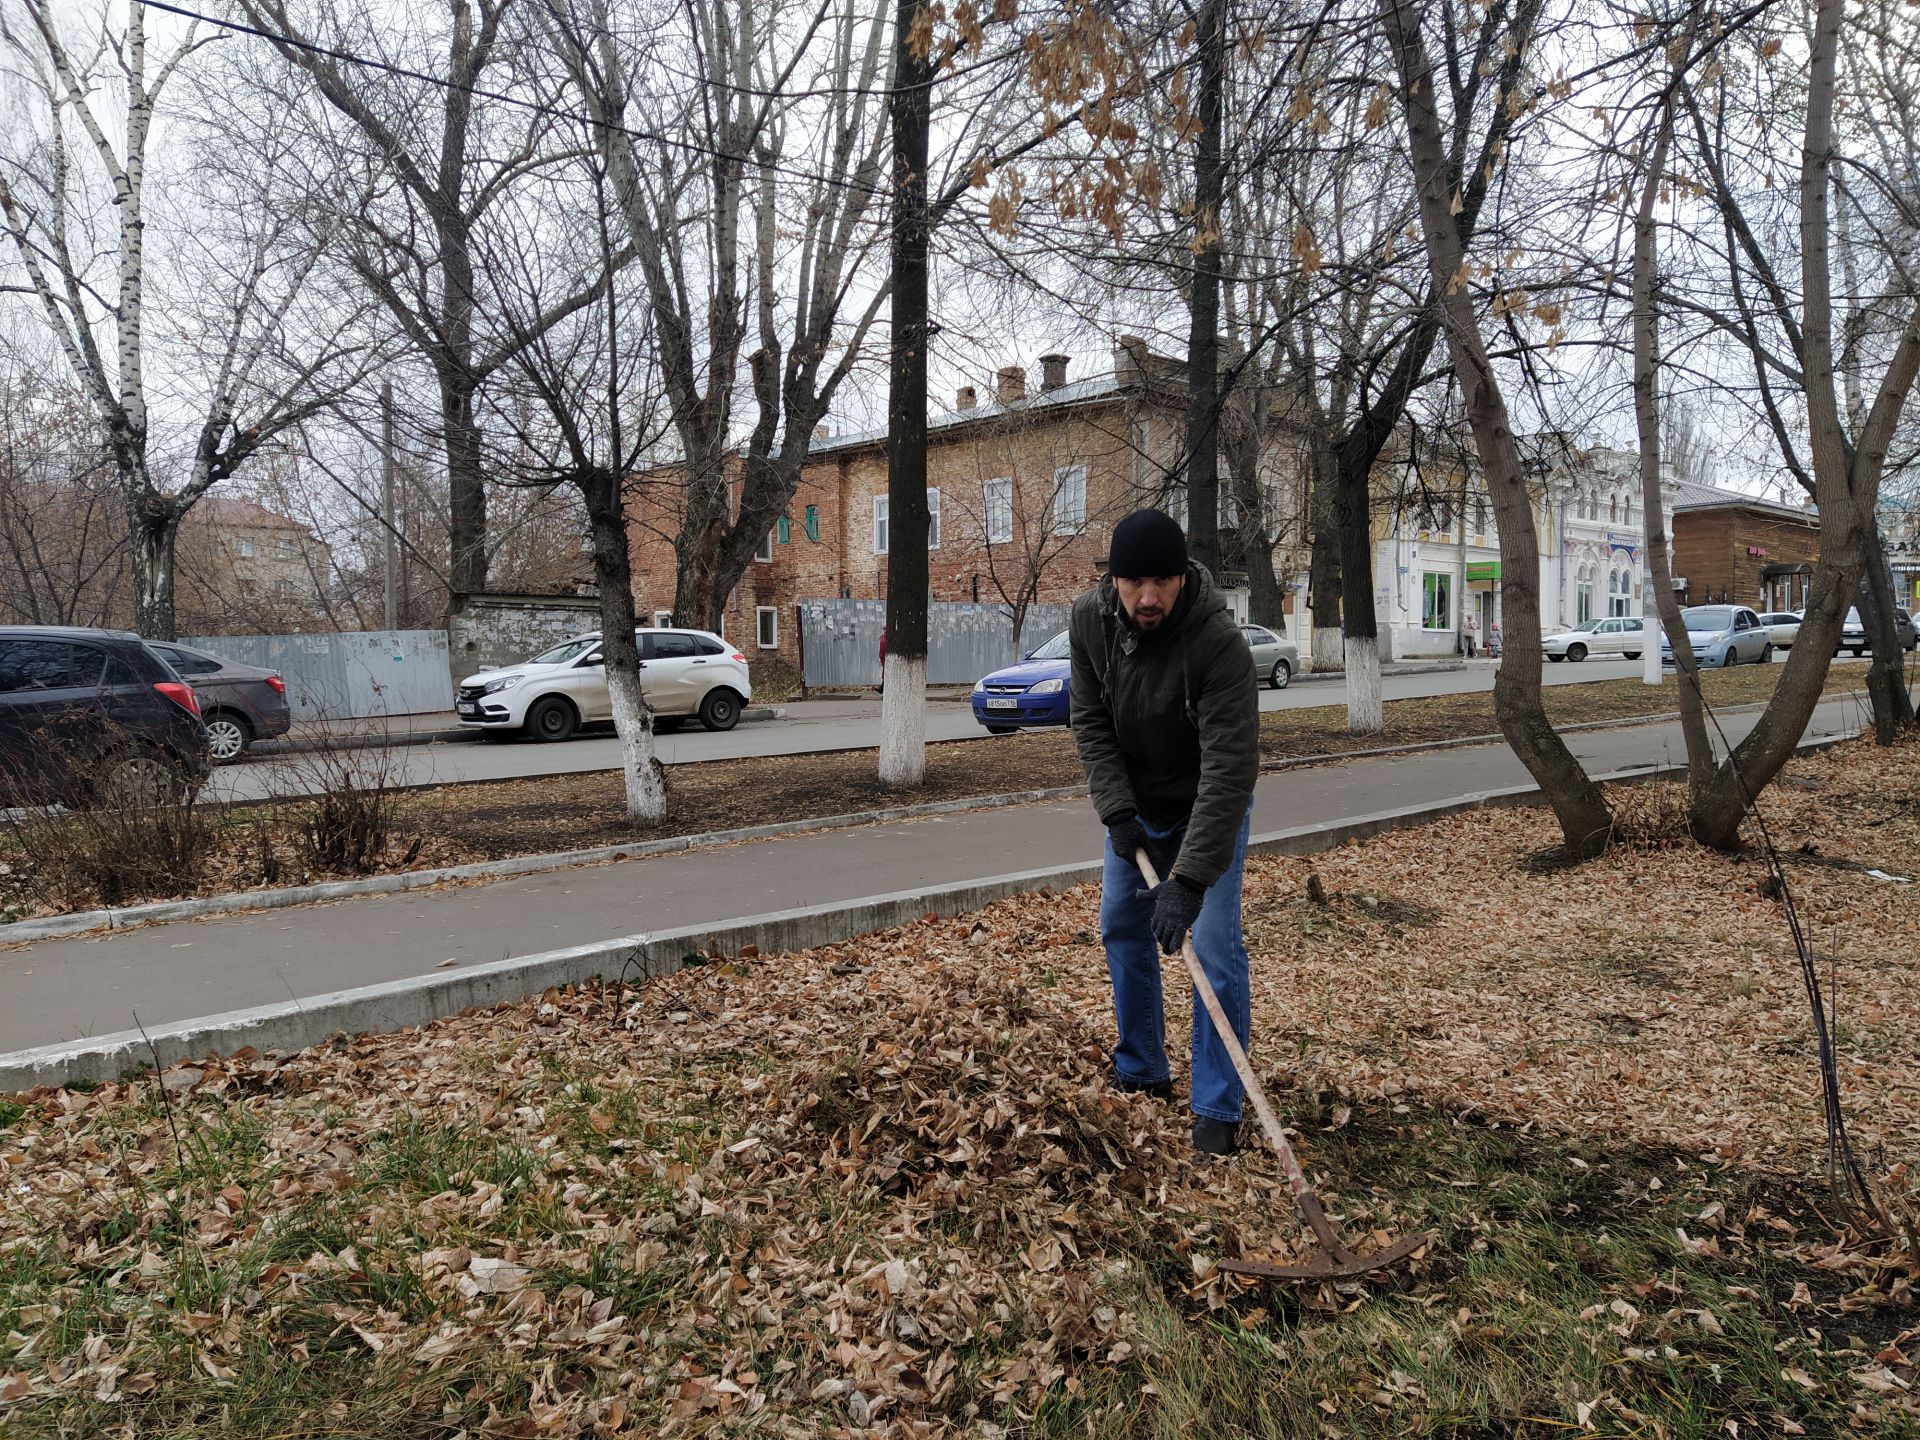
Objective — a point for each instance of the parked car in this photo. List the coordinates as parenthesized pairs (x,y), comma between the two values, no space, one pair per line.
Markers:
(1275,657)
(1606,636)
(239,703)
(1853,632)
(1722,635)
(89,716)
(683,674)
(1029,694)
(1783,628)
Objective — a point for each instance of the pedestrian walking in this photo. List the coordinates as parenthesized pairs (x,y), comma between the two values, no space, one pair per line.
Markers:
(1167,722)
(1493,640)
(1470,636)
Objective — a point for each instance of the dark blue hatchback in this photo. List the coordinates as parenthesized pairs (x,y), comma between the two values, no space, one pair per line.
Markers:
(1034,692)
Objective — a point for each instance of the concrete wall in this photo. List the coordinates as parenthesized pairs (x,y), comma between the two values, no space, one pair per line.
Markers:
(488,631)
(840,640)
(347,676)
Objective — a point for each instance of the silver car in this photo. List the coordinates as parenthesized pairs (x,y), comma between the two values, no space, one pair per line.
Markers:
(1602,637)
(1853,632)
(1275,657)
(1783,628)
(1722,635)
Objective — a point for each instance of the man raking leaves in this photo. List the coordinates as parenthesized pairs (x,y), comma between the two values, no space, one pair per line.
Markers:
(1167,721)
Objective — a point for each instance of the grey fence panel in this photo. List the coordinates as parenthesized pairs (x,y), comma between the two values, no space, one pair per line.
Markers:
(840,640)
(348,676)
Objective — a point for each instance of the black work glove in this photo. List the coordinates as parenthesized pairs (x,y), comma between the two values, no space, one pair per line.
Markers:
(1129,836)
(1176,905)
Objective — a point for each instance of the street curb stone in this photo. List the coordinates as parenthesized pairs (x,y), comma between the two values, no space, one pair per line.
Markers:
(421,999)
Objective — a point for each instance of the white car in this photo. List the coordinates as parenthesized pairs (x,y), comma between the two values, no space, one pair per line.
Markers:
(683,673)
(1783,628)
(1617,636)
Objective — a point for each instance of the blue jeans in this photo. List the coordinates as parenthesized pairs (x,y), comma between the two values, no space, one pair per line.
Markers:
(1133,960)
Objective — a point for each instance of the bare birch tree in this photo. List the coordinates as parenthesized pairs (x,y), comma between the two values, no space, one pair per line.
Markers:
(95,295)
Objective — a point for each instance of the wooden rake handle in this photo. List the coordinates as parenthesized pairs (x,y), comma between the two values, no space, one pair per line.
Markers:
(1303,1196)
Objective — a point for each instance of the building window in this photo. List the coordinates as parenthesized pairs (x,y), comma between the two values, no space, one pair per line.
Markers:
(783,530)
(1619,592)
(1070,500)
(1229,505)
(766,621)
(880,524)
(813,523)
(284,589)
(1177,504)
(998,497)
(1613,510)
(1479,515)
(244,548)
(662,619)
(764,554)
(933,518)
(1583,598)
(1436,601)
(283,547)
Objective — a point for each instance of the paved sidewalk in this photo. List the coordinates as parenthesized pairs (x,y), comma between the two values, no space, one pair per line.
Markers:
(62,990)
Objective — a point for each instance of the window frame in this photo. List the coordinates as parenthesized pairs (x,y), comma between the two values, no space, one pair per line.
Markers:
(763,615)
(996,502)
(933,517)
(1436,595)
(882,524)
(1065,519)
(763,553)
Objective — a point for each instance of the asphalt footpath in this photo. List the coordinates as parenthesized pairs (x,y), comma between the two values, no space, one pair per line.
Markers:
(65,990)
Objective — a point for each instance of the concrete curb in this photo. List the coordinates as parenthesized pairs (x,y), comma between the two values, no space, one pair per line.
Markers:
(132,917)
(1387,672)
(421,999)
(363,740)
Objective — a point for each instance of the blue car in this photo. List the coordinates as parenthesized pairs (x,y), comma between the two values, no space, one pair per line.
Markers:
(1034,692)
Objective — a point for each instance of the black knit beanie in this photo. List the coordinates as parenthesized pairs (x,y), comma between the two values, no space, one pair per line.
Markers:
(1147,543)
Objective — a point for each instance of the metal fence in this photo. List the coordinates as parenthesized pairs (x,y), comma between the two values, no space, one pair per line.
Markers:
(348,676)
(840,639)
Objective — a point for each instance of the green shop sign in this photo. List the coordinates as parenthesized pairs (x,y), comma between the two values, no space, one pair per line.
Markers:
(1483,570)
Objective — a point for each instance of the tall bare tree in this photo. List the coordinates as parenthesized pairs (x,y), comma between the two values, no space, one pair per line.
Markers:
(430,165)
(90,278)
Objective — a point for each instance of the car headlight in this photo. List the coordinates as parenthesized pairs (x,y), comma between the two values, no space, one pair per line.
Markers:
(505,682)
(979,684)
(1047,687)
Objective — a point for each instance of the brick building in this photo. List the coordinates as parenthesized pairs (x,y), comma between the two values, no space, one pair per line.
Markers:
(244,568)
(1739,549)
(1024,487)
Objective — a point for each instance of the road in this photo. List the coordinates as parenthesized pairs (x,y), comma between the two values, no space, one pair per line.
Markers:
(67,989)
(807,727)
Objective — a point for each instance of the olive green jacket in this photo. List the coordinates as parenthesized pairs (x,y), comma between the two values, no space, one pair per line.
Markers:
(1168,721)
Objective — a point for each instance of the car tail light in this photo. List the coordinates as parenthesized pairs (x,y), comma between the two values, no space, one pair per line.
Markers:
(738,658)
(181,695)
(276,684)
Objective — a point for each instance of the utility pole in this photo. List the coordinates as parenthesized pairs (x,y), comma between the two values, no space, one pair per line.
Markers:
(389,550)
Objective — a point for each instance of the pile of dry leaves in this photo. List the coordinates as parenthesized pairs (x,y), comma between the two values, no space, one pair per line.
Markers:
(884,1188)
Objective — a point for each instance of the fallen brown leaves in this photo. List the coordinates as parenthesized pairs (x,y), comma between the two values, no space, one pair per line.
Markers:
(883,1188)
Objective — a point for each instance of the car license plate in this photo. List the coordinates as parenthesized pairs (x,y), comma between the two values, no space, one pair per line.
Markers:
(1006,704)
(468,707)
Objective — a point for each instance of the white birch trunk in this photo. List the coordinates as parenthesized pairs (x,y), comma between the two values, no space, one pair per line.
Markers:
(903,722)
(1366,714)
(1329,649)
(646,778)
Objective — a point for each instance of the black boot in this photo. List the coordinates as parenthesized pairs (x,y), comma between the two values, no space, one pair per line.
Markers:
(1215,1137)
(1158,1089)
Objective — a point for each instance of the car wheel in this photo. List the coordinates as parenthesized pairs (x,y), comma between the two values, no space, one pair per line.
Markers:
(667,724)
(552,719)
(1556,659)
(228,736)
(1576,653)
(1001,729)
(720,710)
(140,779)
(1766,654)
(1856,653)
(1281,675)
(1633,654)
(1731,658)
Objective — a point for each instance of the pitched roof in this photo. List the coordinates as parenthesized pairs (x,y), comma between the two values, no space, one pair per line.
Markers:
(1074,392)
(1689,496)
(236,513)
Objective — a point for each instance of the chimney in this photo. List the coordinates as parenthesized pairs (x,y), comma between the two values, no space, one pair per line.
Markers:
(1130,361)
(965,398)
(821,432)
(1010,386)
(1053,372)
